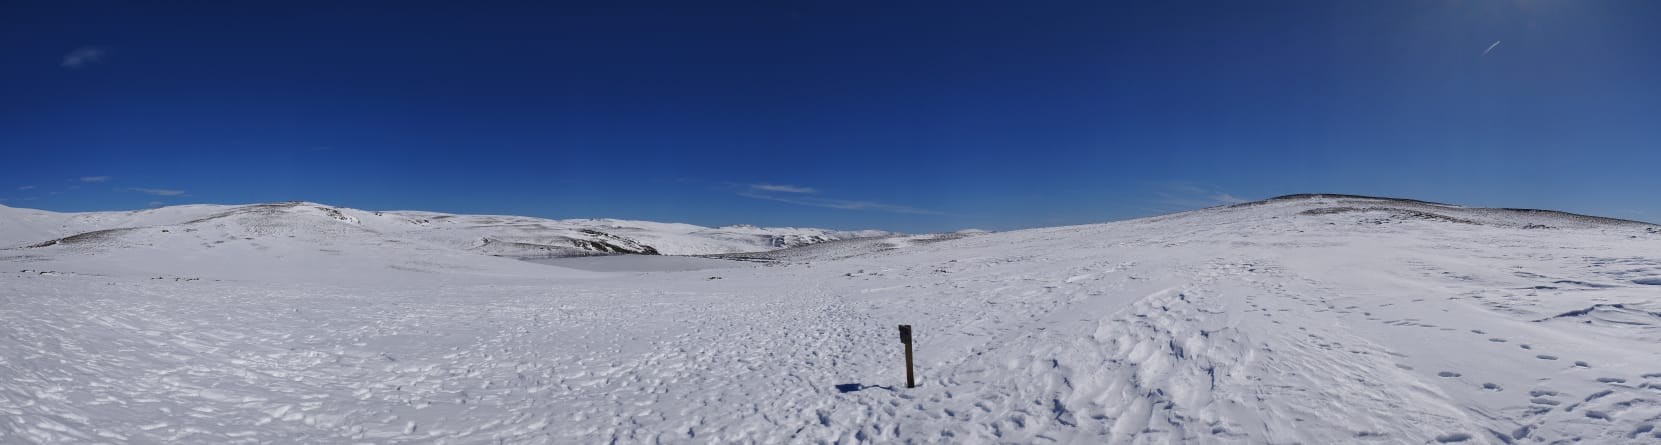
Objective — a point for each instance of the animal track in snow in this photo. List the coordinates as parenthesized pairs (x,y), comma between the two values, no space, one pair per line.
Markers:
(1453,438)
(1546,357)
(1599,395)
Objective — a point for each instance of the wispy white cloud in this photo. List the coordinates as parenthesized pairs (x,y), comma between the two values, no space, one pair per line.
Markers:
(26,187)
(1491,47)
(154,204)
(781,188)
(83,56)
(1226,198)
(95,178)
(806,196)
(1183,195)
(158,192)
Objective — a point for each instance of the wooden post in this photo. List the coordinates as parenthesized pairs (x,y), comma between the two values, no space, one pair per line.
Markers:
(905,337)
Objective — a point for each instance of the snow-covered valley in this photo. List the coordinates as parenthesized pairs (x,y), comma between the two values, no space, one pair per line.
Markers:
(1307,319)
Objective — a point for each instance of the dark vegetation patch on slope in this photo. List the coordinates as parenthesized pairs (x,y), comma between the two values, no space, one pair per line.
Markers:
(1402,213)
(1304,196)
(93,237)
(1577,217)
(269,208)
(837,249)
(1452,213)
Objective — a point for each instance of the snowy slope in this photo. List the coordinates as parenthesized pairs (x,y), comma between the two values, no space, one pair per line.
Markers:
(267,242)
(26,226)
(1282,321)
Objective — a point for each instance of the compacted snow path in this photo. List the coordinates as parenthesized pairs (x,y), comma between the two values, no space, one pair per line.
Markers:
(1240,325)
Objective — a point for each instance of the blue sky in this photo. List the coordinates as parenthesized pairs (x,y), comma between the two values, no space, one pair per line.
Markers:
(919,117)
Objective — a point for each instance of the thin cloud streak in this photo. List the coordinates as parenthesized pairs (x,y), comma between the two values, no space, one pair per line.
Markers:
(1226,198)
(158,192)
(83,56)
(95,178)
(1491,47)
(1183,195)
(26,187)
(782,188)
(839,203)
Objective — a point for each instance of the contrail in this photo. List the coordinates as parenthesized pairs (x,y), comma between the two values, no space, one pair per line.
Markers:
(1491,47)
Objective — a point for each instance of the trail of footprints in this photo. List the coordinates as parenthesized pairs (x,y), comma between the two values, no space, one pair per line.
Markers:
(1543,401)
(1598,407)
(1449,374)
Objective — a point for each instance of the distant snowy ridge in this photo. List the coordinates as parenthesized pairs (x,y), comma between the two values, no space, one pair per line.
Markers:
(1398,209)
(484,234)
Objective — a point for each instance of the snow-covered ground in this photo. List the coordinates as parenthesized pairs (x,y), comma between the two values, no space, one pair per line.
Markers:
(1316,319)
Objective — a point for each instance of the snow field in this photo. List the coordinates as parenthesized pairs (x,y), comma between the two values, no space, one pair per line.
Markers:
(1253,324)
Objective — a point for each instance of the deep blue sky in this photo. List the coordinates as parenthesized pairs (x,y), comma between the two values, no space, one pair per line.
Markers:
(922,117)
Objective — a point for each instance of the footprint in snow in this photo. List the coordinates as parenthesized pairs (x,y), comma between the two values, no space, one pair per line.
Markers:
(1492,387)
(1546,357)
(1497,340)
(1581,364)
(1448,374)
(1645,428)
(1611,380)
(1477,331)
(1452,438)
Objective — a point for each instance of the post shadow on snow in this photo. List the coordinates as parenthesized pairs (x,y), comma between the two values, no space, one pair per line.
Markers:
(854,387)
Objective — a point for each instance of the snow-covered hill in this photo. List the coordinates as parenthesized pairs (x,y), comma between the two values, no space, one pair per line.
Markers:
(1303,319)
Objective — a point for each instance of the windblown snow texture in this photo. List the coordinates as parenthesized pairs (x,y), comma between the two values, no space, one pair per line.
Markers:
(1305,319)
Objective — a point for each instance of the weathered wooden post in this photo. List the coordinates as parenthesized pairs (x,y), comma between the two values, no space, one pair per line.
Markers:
(905,337)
